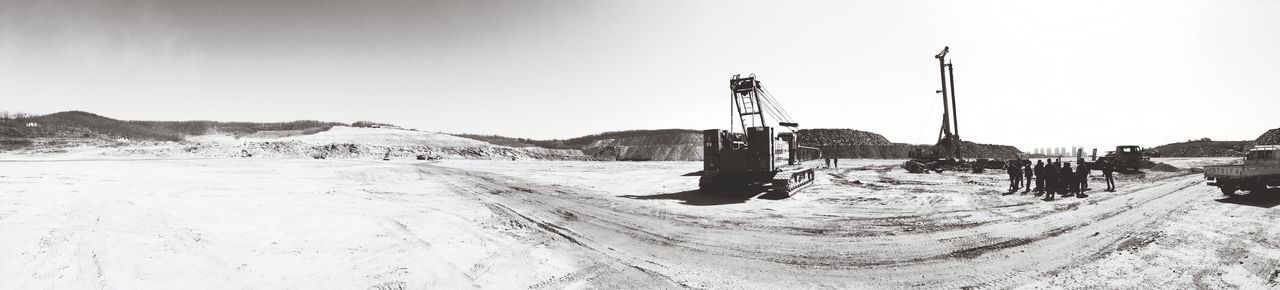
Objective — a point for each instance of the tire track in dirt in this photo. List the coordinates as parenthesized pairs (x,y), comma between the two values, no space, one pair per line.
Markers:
(699,255)
(629,271)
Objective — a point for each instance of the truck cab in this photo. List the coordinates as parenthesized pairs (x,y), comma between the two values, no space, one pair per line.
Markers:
(1263,156)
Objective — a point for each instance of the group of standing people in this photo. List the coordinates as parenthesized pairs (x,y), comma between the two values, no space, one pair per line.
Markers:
(1056,177)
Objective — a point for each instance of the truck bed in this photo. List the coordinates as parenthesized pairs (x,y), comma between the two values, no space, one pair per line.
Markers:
(1239,171)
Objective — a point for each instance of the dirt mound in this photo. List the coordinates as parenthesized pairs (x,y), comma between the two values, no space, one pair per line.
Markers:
(1164,167)
(979,150)
(1271,137)
(843,137)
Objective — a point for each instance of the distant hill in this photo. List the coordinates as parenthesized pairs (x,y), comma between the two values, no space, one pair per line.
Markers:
(512,142)
(1209,148)
(640,145)
(684,144)
(78,124)
(1203,148)
(663,144)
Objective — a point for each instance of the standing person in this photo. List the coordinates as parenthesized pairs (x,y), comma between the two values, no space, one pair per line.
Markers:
(1083,171)
(1039,172)
(1014,174)
(1068,179)
(1050,178)
(1107,170)
(1028,174)
(1062,180)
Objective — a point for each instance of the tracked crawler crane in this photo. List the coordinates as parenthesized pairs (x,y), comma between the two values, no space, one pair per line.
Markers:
(756,156)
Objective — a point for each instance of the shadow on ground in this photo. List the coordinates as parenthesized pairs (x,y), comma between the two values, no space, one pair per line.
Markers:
(1265,199)
(699,198)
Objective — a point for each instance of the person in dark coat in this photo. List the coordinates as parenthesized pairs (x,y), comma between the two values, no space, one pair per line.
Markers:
(1028,174)
(1039,172)
(1107,170)
(1050,178)
(1015,174)
(1068,179)
(1082,171)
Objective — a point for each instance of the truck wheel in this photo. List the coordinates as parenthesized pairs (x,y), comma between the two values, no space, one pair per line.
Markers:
(1228,190)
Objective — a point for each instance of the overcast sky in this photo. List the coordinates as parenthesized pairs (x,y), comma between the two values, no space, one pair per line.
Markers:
(1029,74)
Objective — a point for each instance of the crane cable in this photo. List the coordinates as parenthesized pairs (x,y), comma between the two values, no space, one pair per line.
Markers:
(777,104)
(774,107)
(778,115)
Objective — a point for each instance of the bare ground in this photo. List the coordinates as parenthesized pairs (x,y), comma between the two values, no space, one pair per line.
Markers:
(228,223)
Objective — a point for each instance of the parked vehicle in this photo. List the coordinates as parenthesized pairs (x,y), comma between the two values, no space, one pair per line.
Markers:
(1128,158)
(1260,171)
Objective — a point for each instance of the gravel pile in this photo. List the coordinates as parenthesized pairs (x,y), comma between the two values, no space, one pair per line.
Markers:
(1271,137)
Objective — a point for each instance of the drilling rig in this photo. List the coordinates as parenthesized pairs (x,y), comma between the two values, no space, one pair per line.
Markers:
(751,155)
(946,153)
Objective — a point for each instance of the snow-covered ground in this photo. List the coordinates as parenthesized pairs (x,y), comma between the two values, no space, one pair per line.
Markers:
(369,224)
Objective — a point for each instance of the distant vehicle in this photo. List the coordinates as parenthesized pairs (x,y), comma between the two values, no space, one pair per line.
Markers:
(1127,158)
(1261,170)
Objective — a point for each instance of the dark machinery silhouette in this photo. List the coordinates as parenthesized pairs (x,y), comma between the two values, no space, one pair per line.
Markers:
(756,156)
(947,152)
(1127,158)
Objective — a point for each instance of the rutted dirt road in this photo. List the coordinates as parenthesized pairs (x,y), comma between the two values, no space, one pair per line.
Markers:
(771,248)
(487,224)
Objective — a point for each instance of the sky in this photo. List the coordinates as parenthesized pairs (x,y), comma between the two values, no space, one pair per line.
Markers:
(1028,73)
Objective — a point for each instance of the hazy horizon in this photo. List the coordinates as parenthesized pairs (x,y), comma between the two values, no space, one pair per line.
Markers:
(1031,75)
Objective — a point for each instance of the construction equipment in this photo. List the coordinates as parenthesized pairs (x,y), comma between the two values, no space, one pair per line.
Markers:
(756,156)
(946,153)
(1129,158)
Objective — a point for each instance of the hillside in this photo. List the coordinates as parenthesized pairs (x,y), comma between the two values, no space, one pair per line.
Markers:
(1209,148)
(642,146)
(849,143)
(1203,148)
(78,124)
(502,140)
(83,132)
(343,142)
(636,145)
(683,144)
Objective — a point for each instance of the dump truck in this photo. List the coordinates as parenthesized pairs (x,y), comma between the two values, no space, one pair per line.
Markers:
(752,155)
(1259,171)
